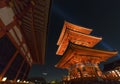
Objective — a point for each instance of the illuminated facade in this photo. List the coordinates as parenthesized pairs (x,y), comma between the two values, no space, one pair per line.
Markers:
(77,35)
(78,55)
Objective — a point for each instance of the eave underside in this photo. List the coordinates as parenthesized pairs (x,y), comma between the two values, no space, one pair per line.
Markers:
(33,18)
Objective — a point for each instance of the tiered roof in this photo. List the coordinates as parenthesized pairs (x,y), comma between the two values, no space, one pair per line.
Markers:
(76,46)
(77,35)
(76,54)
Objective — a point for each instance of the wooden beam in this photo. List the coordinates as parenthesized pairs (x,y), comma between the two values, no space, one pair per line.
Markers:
(19,70)
(21,43)
(34,37)
(2,33)
(21,14)
(12,40)
(16,45)
(2,25)
(26,53)
(28,50)
(5,31)
(11,25)
(61,63)
(8,65)
(81,74)
(25,73)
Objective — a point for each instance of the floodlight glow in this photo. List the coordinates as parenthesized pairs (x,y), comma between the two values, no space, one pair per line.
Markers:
(18,80)
(27,82)
(4,79)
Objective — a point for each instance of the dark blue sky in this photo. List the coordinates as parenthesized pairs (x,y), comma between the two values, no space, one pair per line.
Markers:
(103,16)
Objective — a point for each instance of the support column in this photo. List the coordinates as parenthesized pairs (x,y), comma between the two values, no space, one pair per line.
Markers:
(2,32)
(80,71)
(69,72)
(25,72)
(94,71)
(19,70)
(98,71)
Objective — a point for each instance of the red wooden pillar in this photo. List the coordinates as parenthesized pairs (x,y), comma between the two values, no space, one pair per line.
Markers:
(19,70)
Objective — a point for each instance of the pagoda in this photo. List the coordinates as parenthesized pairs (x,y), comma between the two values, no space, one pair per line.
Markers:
(77,35)
(78,55)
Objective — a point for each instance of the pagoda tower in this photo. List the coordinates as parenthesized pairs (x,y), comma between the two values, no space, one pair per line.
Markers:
(78,55)
(77,35)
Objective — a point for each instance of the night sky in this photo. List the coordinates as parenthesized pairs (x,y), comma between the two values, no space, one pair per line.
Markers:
(103,16)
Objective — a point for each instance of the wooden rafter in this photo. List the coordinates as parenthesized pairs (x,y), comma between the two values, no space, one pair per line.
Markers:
(25,74)
(5,30)
(34,36)
(18,72)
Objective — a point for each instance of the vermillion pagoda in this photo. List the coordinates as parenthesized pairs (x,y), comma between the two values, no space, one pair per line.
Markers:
(77,35)
(79,58)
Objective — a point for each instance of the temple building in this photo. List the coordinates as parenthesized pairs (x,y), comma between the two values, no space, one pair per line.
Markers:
(23,25)
(28,34)
(76,46)
(77,35)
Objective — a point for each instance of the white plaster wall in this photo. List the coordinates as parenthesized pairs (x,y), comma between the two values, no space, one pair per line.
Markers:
(6,15)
